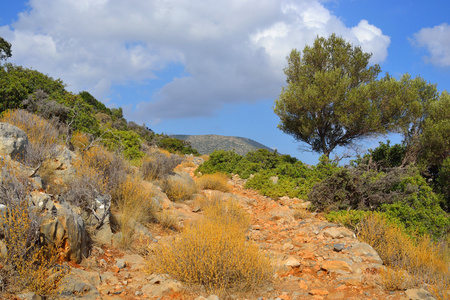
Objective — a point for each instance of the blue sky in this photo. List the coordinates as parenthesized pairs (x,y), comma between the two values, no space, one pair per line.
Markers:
(215,66)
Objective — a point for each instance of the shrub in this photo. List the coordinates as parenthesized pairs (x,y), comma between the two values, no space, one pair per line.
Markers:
(128,142)
(110,166)
(177,189)
(157,165)
(424,259)
(400,192)
(174,145)
(134,204)
(217,181)
(214,253)
(43,135)
(27,265)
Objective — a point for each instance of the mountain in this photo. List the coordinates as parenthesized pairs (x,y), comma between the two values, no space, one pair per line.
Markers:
(205,144)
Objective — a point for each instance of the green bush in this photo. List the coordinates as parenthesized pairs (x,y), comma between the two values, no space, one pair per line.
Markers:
(128,142)
(401,194)
(174,145)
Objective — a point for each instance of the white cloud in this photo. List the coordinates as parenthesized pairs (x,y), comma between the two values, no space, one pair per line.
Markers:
(437,42)
(232,50)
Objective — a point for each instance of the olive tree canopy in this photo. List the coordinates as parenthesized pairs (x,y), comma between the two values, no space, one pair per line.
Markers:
(5,49)
(333,97)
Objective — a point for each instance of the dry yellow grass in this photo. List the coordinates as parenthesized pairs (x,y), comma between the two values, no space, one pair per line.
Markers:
(134,204)
(422,258)
(177,190)
(214,253)
(27,266)
(217,181)
(38,129)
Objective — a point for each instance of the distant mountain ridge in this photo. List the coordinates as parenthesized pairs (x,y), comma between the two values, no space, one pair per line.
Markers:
(206,144)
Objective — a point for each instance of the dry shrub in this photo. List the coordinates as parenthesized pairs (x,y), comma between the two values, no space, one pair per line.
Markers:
(27,265)
(43,134)
(87,184)
(186,164)
(111,166)
(300,213)
(394,279)
(159,164)
(167,220)
(217,181)
(80,140)
(215,254)
(424,259)
(134,204)
(178,189)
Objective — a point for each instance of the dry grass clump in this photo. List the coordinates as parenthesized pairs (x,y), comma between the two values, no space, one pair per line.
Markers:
(158,164)
(422,258)
(134,204)
(167,220)
(178,189)
(217,181)
(26,265)
(43,134)
(214,253)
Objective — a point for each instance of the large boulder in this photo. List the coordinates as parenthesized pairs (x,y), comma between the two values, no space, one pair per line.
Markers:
(63,226)
(13,141)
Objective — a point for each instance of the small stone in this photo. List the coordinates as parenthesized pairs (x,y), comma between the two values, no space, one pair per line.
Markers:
(319,292)
(138,293)
(418,294)
(197,209)
(120,263)
(292,262)
(338,247)
(213,297)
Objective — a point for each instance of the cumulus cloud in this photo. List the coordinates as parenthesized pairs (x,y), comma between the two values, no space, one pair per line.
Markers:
(231,50)
(437,41)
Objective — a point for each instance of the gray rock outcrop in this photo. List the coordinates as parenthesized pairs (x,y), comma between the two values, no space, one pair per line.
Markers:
(13,141)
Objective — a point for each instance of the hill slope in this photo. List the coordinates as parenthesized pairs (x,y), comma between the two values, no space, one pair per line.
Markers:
(205,144)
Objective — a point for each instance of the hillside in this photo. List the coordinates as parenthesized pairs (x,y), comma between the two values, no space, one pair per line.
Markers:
(205,144)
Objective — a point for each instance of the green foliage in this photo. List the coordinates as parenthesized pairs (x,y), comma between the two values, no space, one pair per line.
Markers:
(16,83)
(333,98)
(400,193)
(348,218)
(443,183)
(174,145)
(388,156)
(436,132)
(5,49)
(274,175)
(128,142)
(97,105)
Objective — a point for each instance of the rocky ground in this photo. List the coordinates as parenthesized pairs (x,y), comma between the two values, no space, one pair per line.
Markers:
(314,259)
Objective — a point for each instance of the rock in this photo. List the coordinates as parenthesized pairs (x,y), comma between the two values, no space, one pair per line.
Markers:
(338,232)
(282,212)
(13,141)
(338,247)
(419,294)
(64,226)
(135,261)
(292,262)
(319,292)
(63,164)
(338,266)
(160,285)
(213,297)
(120,263)
(30,296)
(366,252)
(274,179)
(80,284)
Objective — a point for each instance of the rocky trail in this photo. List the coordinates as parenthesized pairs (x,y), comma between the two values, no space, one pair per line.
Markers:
(314,259)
